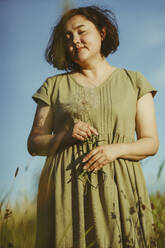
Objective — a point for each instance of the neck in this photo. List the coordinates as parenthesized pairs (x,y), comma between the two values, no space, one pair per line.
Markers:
(96,69)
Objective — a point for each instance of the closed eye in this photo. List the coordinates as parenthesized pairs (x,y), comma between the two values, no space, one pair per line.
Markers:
(69,35)
(81,32)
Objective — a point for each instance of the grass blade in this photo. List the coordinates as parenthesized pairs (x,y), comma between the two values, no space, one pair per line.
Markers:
(160,169)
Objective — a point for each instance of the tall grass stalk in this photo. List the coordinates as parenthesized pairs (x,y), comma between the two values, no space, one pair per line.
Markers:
(18,222)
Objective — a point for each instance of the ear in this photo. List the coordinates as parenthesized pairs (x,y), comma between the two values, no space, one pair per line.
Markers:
(103,33)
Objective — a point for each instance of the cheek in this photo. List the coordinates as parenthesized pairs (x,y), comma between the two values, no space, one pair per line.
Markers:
(70,49)
(95,39)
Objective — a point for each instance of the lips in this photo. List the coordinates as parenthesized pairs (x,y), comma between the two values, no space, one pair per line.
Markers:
(79,46)
(79,49)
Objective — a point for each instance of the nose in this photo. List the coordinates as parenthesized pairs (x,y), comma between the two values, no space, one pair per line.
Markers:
(76,39)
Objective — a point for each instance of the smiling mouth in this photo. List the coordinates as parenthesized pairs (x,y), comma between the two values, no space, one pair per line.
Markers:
(79,49)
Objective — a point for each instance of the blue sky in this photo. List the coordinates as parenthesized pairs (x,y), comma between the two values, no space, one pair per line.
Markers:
(25,27)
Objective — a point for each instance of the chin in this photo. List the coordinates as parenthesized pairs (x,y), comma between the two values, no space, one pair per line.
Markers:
(81,60)
(80,56)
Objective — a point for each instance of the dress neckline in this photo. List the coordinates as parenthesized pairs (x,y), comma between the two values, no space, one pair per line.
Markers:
(100,85)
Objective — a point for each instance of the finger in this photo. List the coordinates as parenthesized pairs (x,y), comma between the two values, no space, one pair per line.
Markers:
(90,154)
(98,164)
(98,167)
(83,128)
(93,130)
(80,133)
(93,163)
(88,132)
(92,160)
(79,124)
(79,137)
(86,129)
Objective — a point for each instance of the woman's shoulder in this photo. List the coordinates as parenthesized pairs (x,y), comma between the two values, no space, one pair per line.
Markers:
(132,73)
(134,76)
(48,91)
(57,77)
(53,81)
(140,82)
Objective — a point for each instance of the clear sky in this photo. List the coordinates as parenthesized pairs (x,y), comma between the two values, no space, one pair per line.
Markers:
(25,27)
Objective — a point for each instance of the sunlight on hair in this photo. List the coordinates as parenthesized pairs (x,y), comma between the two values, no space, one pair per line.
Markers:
(67,4)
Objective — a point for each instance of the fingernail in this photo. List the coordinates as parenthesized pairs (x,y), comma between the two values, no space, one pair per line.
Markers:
(83,160)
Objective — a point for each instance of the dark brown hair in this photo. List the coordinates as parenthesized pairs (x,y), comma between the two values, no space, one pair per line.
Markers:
(56,52)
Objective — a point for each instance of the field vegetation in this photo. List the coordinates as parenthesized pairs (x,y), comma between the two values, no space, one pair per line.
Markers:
(18,222)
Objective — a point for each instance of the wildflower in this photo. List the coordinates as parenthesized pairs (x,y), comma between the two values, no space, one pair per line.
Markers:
(152,205)
(153,242)
(7,213)
(154,227)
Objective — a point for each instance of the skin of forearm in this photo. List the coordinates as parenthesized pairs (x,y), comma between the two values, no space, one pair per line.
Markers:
(40,144)
(139,149)
(48,144)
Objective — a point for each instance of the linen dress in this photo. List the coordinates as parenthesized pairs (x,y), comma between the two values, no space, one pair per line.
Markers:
(109,208)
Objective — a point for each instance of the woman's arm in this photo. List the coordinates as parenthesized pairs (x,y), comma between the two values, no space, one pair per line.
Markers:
(41,136)
(147,143)
(41,141)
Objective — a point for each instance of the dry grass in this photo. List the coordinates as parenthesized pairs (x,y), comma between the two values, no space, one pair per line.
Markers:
(158,204)
(18,223)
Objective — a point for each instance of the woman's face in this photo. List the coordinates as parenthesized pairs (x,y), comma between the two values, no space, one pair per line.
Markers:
(83,40)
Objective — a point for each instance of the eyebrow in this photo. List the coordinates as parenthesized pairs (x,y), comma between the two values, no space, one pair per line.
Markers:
(79,26)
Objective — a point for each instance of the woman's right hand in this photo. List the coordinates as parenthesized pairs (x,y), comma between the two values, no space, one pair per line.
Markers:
(82,130)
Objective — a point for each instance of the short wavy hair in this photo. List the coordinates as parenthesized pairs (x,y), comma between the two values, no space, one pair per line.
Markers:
(56,51)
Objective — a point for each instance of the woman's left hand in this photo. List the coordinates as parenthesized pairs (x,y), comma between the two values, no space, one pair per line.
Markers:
(101,155)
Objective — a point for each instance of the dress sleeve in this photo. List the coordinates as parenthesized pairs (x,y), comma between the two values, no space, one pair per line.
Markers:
(143,86)
(45,92)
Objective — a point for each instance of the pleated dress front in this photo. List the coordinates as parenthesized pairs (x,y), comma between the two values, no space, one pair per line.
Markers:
(109,208)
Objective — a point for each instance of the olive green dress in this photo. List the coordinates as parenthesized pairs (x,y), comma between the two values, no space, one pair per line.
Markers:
(109,208)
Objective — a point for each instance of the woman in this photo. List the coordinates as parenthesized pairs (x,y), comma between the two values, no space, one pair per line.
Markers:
(92,191)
